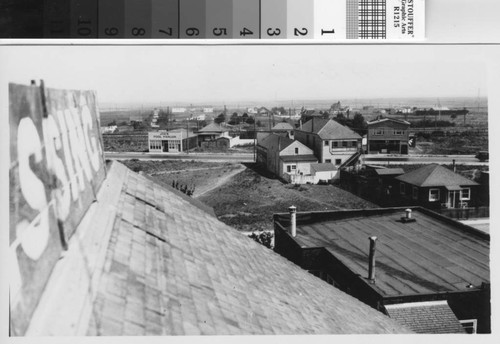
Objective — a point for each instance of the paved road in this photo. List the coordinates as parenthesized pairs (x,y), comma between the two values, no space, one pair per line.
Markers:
(248,157)
(233,157)
(424,159)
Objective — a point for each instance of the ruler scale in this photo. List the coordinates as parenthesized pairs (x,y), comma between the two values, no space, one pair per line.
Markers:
(301,20)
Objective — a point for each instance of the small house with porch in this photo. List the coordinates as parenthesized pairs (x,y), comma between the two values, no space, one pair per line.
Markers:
(435,187)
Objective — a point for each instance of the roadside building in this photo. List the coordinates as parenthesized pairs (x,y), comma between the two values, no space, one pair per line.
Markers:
(331,141)
(173,141)
(109,129)
(211,132)
(283,128)
(284,157)
(388,135)
(434,186)
(428,272)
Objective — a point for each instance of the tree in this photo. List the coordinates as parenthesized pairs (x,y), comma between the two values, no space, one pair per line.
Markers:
(220,119)
(359,121)
(250,120)
(112,123)
(245,115)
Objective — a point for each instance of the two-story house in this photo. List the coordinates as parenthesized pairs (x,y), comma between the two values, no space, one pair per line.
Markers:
(331,141)
(282,155)
(388,135)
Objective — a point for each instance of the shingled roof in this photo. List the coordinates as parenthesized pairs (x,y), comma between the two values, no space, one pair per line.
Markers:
(283,126)
(328,129)
(421,317)
(169,268)
(434,175)
(274,140)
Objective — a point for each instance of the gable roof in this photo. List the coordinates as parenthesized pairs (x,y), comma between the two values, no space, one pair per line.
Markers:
(274,140)
(381,120)
(435,175)
(212,127)
(328,129)
(283,126)
(171,269)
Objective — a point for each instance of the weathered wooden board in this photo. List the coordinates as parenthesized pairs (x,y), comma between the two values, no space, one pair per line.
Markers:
(56,168)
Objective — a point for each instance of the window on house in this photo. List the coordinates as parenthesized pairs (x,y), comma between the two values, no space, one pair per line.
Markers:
(415,192)
(378,132)
(469,325)
(289,168)
(354,143)
(465,194)
(326,143)
(434,195)
(398,132)
(402,188)
(294,167)
(328,161)
(335,144)
(338,161)
(296,150)
(344,143)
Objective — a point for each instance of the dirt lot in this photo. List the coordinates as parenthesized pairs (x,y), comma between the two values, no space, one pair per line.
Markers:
(242,197)
(204,176)
(248,200)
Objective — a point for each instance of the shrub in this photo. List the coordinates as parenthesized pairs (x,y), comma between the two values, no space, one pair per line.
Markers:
(263,238)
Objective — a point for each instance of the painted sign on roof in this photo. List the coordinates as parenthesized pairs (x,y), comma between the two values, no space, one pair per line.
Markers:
(56,168)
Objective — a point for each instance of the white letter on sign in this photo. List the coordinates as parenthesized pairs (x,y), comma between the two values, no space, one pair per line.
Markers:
(90,141)
(35,236)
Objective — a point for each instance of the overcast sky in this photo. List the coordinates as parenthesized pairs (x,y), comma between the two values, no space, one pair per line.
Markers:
(171,74)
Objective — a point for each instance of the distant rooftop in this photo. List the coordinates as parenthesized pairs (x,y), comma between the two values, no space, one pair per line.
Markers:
(283,126)
(432,254)
(328,129)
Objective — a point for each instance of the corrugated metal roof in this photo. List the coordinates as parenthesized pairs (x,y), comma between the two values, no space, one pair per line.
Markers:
(432,254)
(328,129)
(434,175)
(426,317)
(170,268)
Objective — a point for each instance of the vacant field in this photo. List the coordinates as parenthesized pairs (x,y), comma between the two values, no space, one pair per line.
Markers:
(463,143)
(242,197)
(249,199)
(202,175)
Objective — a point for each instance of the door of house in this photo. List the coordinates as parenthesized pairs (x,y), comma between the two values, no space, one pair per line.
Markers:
(454,199)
